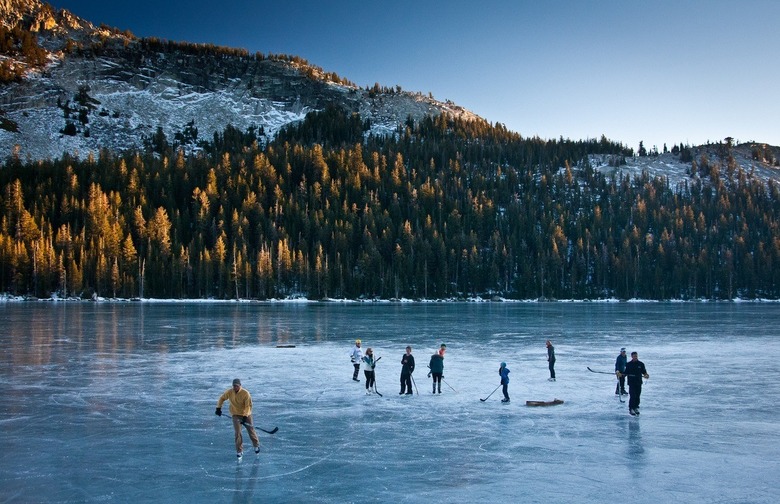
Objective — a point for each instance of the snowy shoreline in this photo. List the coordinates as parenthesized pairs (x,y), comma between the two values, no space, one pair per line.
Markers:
(5,298)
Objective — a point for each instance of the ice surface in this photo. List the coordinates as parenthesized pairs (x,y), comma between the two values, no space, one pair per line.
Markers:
(110,402)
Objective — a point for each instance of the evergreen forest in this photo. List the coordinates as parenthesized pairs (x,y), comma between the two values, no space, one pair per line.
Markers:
(442,209)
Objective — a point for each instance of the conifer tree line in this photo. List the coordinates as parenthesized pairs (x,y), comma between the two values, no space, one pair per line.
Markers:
(442,209)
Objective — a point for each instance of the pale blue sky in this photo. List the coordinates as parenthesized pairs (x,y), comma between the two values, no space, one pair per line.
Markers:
(659,71)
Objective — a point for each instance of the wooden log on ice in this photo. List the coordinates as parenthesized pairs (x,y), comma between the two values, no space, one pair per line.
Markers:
(544,403)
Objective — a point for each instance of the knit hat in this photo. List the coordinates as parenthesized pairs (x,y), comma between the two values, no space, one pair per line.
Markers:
(623,349)
(236,381)
(503,364)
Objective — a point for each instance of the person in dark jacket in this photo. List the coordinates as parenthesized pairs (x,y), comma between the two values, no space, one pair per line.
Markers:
(635,370)
(503,371)
(407,368)
(620,371)
(551,360)
(437,369)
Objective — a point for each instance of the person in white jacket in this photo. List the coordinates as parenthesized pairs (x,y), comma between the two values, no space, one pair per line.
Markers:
(355,356)
(368,369)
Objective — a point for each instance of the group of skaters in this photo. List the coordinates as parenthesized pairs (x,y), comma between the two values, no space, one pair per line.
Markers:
(436,366)
(241,400)
(634,370)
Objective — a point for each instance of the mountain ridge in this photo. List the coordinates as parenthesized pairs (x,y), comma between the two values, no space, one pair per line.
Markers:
(103,88)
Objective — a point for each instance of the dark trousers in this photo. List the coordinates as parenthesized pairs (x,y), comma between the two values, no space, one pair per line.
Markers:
(634,391)
(370,381)
(406,383)
(357,370)
(620,387)
(505,390)
(436,380)
(552,368)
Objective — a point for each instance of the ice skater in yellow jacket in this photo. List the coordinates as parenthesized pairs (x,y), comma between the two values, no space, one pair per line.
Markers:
(241,411)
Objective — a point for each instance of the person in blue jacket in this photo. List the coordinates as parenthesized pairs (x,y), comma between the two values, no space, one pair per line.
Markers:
(620,371)
(503,371)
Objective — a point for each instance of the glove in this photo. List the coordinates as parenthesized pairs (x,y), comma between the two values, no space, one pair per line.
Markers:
(353,360)
(218,412)
(244,419)
(429,375)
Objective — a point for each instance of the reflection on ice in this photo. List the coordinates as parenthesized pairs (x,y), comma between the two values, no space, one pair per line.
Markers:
(121,400)
(635,447)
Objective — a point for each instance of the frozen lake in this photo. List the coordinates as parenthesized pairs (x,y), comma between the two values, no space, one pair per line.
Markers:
(114,402)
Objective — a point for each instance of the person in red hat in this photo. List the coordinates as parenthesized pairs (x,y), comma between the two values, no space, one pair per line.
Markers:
(437,368)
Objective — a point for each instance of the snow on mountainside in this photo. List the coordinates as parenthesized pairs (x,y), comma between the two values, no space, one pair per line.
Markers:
(99,88)
(107,89)
(757,160)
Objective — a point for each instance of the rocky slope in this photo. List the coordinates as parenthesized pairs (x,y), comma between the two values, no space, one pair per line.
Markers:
(89,88)
(101,88)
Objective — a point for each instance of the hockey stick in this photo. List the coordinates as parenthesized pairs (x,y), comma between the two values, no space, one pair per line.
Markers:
(375,390)
(490,394)
(414,383)
(620,392)
(272,431)
(450,386)
(618,389)
(600,372)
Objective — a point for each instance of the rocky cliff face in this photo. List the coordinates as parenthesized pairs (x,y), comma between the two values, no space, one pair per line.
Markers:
(105,89)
